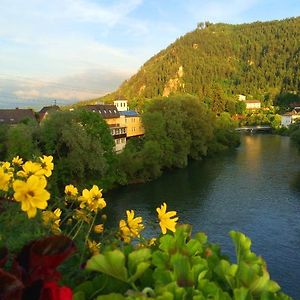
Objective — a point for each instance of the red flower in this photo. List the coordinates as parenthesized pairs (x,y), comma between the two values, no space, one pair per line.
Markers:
(52,291)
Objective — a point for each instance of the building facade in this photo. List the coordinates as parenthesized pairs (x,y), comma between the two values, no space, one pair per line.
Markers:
(132,120)
(111,115)
(121,105)
(289,118)
(253,104)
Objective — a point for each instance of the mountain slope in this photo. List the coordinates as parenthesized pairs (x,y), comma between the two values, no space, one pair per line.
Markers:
(221,60)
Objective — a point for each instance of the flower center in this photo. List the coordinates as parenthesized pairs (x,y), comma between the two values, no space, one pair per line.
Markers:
(31,193)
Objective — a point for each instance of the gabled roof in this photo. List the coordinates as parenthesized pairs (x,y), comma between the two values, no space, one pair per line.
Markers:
(49,108)
(107,111)
(129,113)
(292,113)
(14,116)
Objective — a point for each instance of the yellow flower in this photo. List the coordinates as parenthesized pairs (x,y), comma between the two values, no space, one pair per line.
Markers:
(52,219)
(152,242)
(165,218)
(92,199)
(132,227)
(93,246)
(31,168)
(32,194)
(98,228)
(6,166)
(17,161)
(71,190)
(4,179)
(47,164)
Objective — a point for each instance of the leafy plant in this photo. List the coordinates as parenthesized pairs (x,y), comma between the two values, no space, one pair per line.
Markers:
(179,266)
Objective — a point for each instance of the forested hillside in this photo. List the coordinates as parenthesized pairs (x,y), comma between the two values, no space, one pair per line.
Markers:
(218,61)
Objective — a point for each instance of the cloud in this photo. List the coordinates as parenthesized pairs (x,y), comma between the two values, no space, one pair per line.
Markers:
(32,92)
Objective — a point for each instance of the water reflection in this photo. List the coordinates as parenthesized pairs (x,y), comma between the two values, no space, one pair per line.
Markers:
(295,183)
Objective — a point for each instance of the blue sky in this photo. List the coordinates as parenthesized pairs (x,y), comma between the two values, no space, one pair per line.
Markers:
(81,49)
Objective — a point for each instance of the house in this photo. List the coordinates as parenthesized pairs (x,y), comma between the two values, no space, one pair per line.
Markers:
(242,97)
(289,118)
(132,120)
(121,105)
(15,116)
(111,115)
(252,104)
(46,110)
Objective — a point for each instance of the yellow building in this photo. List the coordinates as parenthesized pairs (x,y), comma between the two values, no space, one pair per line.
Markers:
(133,123)
(113,119)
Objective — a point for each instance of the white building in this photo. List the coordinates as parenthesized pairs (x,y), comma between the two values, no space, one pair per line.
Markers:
(289,118)
(121,105)
(242,98)
(253,104)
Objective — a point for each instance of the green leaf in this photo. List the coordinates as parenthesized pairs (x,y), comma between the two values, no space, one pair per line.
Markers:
(112,296)
(166,243)
(79,296)
(86,288)
(182,269)
(242,294)
(194,247)
(227,272)
(160,259)
(141,268)
(201,237)
(162,277)
(166,296)
(136,257)
(242,248)
(111,263)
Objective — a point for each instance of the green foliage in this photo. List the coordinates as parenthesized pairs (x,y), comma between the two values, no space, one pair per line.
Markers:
(220,61)
(285,99)
(82,147)
(23,231)
(225,136)
(176,128)
(179,267)
(3,138)
(21,140)
(294,131)
(262,117)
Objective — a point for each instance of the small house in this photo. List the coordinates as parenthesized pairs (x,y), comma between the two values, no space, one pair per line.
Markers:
(15,116)
(289,118)
(252,104)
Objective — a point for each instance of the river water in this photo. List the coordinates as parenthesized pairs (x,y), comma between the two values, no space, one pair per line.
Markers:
(254,189)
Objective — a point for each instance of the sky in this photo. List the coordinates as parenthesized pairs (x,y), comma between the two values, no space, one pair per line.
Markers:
(70,50)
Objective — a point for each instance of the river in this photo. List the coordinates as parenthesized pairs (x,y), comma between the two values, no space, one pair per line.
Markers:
(254,189)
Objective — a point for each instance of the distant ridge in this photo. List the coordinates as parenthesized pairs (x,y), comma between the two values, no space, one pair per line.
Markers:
(218,61)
